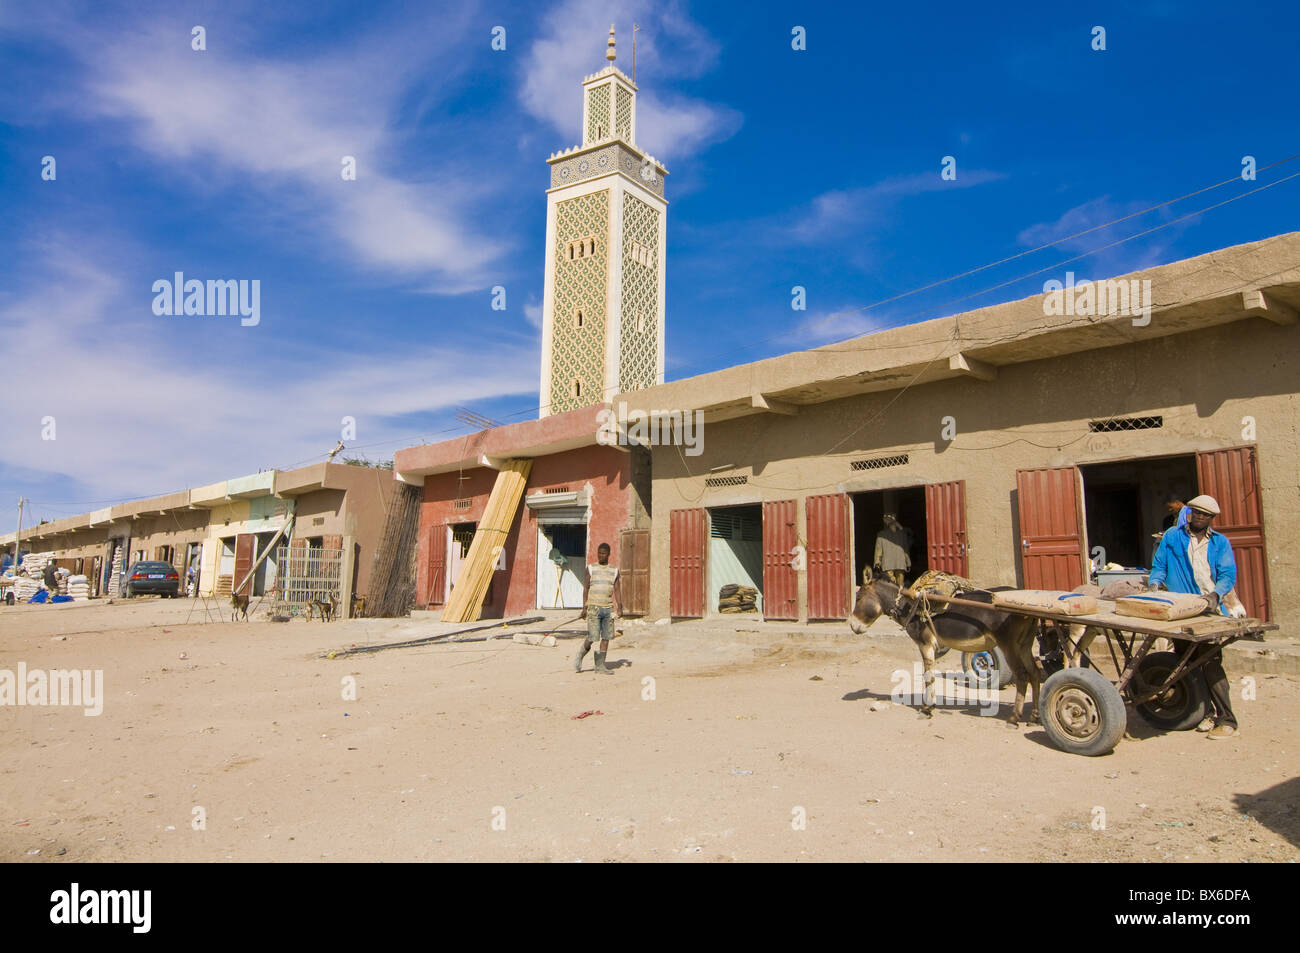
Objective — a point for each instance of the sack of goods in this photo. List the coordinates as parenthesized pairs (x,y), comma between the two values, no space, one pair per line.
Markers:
(736,598)
(25,588)
(1049,600)
(1165,606)
(79,588)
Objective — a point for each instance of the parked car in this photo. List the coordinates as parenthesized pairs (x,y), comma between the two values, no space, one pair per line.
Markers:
(153,577)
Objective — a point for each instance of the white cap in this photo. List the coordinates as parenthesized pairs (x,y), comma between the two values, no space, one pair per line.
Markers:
(1206,504)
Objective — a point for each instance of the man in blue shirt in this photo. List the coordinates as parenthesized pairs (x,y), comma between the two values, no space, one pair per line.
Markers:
(1192,558)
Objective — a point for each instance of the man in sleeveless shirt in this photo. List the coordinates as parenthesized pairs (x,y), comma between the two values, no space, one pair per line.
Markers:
(600,602)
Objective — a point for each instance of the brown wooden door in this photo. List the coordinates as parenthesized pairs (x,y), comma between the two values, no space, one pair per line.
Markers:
(780,581)
(437,578)
(686,542)
(945,527)
(828,568)
(1232,477)
(634,571)
(1050,501)
(245,544)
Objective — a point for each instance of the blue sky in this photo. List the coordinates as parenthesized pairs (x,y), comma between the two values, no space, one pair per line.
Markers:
(818,168)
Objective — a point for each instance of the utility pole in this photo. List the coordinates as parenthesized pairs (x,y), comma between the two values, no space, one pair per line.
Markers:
(18,533)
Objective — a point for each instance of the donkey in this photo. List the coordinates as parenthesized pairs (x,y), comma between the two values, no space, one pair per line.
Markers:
(958,627)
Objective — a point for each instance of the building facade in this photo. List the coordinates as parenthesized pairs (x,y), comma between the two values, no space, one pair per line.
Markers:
(1018,446)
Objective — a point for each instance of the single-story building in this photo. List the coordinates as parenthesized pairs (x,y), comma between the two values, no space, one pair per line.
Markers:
(580,493)
(1020,444)
(338,517)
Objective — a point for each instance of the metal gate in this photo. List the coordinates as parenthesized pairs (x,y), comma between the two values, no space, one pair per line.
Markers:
(1050,502)
(945,527)
(686,542)
(780,581)
(1232,477)
(828,568)
(304,576)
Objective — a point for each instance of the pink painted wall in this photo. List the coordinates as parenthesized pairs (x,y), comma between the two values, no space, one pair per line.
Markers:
(514,592)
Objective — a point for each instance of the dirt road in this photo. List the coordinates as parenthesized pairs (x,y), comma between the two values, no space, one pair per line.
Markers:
(472,752)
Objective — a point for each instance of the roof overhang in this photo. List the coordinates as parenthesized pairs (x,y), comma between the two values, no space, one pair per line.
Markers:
(557,433)
(1245,282)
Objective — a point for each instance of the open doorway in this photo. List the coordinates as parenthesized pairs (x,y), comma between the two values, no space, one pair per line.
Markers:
(734,562)
(1125,506)
(561,565)
(907,504)
(266,570)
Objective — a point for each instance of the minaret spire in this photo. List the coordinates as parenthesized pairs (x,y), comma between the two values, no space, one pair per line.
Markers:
(609,53)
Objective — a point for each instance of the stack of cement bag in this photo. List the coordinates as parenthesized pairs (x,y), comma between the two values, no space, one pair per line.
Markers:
(734,598)
(25,587)
(78,588)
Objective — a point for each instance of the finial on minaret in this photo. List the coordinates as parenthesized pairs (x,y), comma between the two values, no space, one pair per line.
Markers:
(609,53)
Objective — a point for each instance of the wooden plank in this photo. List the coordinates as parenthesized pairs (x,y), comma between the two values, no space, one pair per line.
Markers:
(466,601)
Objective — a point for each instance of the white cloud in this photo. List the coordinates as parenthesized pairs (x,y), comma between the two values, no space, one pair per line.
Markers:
(669,45)
(832,214)
(281,127)
(140,408)
(1092,217)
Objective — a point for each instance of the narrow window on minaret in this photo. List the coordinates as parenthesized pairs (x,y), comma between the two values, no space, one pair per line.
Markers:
(640,321)
(577,317)
(577,387)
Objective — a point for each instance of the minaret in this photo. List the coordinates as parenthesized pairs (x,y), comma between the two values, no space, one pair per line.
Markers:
(606,231)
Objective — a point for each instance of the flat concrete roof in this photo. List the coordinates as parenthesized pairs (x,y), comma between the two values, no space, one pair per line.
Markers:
(530,438)
(1257,280)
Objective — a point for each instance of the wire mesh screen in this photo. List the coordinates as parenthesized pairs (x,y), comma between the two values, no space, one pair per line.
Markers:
(304,576)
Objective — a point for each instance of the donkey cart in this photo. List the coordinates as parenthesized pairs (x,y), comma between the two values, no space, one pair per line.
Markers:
(1083,711)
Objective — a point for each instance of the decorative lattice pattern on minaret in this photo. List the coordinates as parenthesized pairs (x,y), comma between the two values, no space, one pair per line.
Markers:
(623,114)
(598,114)
(639,321)
(578,351)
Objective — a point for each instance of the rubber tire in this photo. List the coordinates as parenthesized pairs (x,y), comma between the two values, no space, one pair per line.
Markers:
(1112,718)
(1005,677)
(9,598)
(1191,696)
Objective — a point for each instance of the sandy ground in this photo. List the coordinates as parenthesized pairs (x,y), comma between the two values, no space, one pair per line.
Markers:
(471,752)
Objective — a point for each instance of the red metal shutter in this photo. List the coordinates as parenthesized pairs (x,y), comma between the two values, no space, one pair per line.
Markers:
(1051,535)
(634,571)
(945,527)
(686,542)
(780,581)
(1232,477)
(828,568)
(244,543)
(437,580)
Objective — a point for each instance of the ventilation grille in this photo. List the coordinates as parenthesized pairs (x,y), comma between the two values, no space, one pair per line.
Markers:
(557,489)
(726,481)
(879,463)
(461,504)
(1114,424)
(725,525)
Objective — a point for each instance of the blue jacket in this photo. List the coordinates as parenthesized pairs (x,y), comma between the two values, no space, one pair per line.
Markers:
(1173,567)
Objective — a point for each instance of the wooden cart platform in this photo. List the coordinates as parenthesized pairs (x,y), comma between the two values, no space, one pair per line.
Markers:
(1082,711)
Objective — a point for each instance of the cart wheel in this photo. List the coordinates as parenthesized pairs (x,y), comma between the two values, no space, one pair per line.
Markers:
(1183,705)
(1083,712)
(9,598)
(984,667)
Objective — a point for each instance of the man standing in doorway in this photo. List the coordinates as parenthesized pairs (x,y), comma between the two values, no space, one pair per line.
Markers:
(1194,559)
(893,556)
(600,604)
